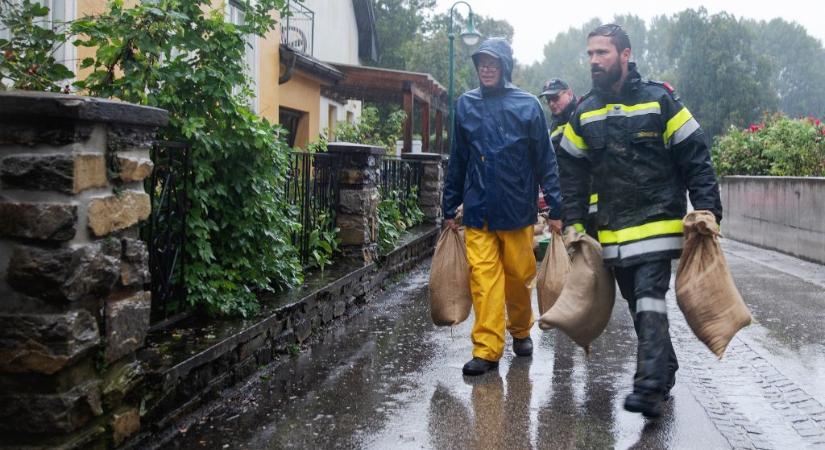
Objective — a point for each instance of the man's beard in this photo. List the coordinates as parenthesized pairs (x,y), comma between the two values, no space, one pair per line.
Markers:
(605,80)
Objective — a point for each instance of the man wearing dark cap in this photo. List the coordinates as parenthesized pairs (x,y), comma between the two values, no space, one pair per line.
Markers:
(562,102)
(645,151)
(502,153)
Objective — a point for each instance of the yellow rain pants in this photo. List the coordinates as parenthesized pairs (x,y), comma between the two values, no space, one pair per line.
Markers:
(502,264)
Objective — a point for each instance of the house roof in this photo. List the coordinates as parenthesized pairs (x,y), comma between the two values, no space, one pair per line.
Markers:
(309,65)
(387,85)
(367,32)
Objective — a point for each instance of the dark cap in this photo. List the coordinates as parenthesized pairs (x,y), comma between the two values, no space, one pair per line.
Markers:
(553,86)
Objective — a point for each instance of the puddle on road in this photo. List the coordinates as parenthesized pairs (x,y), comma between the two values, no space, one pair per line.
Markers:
(390,379)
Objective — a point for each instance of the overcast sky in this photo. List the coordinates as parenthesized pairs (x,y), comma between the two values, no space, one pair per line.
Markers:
(538,21)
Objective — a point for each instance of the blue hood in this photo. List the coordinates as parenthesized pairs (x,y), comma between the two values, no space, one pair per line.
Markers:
(500,49)
(501,153)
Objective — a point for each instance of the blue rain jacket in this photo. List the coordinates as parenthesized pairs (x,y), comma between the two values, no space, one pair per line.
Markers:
(502,153)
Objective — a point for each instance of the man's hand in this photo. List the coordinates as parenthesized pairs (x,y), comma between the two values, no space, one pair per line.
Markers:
(450,223)
(554,225)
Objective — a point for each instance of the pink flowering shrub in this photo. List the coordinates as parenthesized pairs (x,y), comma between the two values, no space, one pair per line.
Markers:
(779,146)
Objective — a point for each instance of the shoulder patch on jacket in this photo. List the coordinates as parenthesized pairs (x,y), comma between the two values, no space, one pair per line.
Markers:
(666,86)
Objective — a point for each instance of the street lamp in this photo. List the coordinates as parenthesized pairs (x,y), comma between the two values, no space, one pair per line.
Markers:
(470,37)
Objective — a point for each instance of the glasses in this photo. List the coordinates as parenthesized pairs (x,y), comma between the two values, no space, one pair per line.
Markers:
(489,68)
(553,98)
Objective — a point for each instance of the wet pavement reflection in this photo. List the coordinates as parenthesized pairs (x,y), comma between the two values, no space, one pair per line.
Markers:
(389,379)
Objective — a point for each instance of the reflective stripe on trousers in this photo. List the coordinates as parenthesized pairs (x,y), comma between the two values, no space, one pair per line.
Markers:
(652,245)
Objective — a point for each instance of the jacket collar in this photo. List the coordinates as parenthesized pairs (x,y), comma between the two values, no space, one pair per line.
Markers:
(564,117)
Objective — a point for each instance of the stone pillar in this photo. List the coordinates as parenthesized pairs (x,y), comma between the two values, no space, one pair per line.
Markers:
(357,213)
(73,271)
(432,184)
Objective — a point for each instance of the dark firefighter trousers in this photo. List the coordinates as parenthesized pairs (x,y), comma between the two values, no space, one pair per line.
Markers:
(644,287)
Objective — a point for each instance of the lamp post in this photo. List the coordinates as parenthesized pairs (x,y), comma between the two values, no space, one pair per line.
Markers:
(470,37)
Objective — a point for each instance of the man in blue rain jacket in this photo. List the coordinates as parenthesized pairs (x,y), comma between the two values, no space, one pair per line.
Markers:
(501,154)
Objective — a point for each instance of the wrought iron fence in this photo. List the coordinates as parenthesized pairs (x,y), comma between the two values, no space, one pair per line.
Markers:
(165,231)
(312,186)
(400,176)
(298,28)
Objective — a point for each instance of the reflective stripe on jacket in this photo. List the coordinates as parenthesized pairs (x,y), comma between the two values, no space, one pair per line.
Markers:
(645,151)
(557,127)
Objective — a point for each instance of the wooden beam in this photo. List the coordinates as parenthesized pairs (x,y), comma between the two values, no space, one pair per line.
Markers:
(409,108)
(439,129)
(425,127)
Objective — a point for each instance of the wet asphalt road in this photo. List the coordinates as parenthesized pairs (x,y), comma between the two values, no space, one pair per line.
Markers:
(390,379)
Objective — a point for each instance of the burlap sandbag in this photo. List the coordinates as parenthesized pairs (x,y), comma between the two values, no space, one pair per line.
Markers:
(704,287)
(450,296)
(583,309)
(552,273)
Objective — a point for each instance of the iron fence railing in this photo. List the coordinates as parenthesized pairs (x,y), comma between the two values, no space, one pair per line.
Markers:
(165,231)
(400,176)
(298,28)
(312,186)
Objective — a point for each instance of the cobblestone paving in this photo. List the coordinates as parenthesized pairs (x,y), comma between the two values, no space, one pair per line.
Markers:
(749,400)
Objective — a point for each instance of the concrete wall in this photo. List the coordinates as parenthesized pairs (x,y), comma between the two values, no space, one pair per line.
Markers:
(336,32)
(786,214)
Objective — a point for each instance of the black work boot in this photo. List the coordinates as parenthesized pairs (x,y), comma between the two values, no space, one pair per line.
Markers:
(649,404)
(523,347)
(479,366)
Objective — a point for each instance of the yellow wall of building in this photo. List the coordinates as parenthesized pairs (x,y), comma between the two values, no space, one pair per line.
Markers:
(301,92)
(268,73)
(304,94)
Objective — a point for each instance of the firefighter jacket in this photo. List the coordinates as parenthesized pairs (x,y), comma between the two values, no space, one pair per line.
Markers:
(566,161)
(501,154)
(645,151)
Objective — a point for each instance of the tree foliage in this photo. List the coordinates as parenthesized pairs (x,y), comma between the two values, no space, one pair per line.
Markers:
(798,61)
(728,71)
(181,55)
(397,23)
(27,57)
(411,39)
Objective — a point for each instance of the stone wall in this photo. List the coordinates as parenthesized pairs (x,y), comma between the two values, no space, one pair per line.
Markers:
(188,367)
(786,214)
(432,184)
(358,197)
(73,309)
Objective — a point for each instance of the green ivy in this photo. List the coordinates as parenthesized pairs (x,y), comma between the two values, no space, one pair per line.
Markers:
(182,56)
(27,58)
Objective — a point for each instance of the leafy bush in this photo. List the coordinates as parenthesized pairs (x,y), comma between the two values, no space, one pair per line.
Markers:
(27,57)
(779,147)
(393,220)
(323,241)
(372,130)
(181,55)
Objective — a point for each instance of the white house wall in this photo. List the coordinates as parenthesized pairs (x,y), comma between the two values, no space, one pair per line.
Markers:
(341,110)
(336,32)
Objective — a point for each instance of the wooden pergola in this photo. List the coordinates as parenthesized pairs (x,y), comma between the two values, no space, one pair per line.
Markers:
(410,89)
